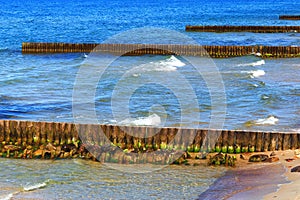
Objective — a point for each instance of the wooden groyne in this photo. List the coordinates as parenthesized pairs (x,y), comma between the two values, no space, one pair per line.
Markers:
(27,139)
(289,17)
(162,49)
(254,29)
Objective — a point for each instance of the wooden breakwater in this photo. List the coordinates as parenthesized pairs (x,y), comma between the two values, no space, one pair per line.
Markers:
(289,17)
(254,29)
(27,139)
(163,49)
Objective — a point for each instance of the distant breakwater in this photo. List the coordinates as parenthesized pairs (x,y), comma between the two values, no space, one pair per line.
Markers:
(289,17)
(254,29)
(163,49)
(113,143)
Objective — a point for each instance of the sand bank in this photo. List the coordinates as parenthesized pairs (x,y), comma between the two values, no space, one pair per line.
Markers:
(258,180)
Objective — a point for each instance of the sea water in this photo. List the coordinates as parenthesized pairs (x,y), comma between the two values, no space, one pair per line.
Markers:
(261,94)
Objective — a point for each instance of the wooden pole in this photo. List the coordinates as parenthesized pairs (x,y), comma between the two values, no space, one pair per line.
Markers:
(189,50)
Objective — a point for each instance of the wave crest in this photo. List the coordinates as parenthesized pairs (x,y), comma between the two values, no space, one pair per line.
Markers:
(256,73)
(168,65)
(257,63)
(34,187)
(151,120)
(270,120)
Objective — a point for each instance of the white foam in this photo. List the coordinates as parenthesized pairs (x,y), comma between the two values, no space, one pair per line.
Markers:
(167,65)
(173,61)
(162,68)
(258,54)
(297,130)
(151,120)
(257,63)
(136,75)
(34,187)
(256,73)
(7,197)
(271,120)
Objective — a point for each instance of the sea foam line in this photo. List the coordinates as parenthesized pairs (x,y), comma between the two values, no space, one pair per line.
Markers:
(257,63)
(257,73)
(151,120)
(168,65)
(34,187)
(271,120)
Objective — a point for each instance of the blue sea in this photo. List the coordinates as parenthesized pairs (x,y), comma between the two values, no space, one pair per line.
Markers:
(256,93)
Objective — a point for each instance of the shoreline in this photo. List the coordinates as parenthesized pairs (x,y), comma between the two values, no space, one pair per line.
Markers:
(291,190)
(258,180)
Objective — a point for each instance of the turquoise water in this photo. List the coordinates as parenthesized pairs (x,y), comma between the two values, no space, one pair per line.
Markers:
(79,179)
(260,94)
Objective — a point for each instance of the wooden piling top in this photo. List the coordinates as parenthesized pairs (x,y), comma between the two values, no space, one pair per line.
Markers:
(289,17)
(163,49)
(254,29)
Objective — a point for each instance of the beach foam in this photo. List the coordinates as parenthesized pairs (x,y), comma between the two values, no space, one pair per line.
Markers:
(168,65)
(34,187)
(151,120)
(173,61)
(256,73)
(7,197)
(257,63)
(271,120)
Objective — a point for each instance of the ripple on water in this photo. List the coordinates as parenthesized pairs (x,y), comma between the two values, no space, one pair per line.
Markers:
(51,179)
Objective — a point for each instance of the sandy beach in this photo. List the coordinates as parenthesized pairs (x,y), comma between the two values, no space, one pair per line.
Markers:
(259,180)
(289,191)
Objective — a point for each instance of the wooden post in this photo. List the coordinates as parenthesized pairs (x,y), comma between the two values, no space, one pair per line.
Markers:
(221,143)
(259,142)
(294,141)
(149,138)
(198,141)
(266,141)
(29,132)
(56,129)
(129,138)
(204,146)
(273,141)
(12,129)
(170,138)
(286,141)
(7,131)
(163,138)
(252,141)
(2,131)
(280,141)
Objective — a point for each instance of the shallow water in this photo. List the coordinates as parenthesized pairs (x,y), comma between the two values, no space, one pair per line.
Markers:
(79,179)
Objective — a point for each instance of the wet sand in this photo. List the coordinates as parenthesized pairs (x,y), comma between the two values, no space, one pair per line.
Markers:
(258,180)
(289,191)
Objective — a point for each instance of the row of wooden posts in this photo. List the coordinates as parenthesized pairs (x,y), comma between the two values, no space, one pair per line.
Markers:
(289,17)
(163,49)
(23,133)
(255,29)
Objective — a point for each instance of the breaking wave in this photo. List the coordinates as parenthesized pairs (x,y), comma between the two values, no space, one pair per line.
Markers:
(257,63)
(167,65)
(256,73)
(270,120)
(34,187)
(151,120)
(7,197)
